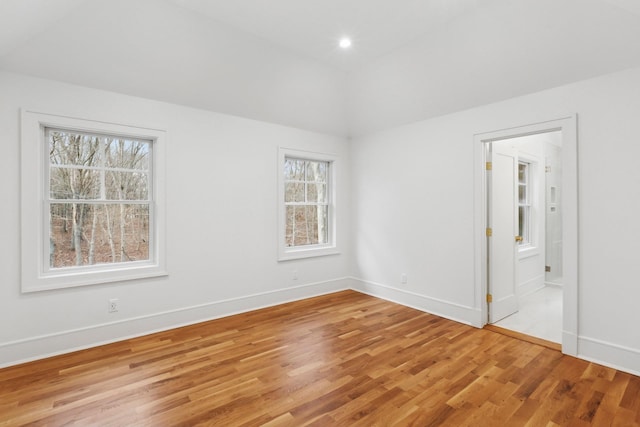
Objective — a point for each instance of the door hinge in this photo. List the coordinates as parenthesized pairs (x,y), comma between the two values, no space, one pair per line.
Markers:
(489,298)
(547,169)
(489,232)
(547,268)
(488,166)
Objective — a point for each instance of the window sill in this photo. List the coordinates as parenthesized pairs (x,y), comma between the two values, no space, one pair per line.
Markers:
(311,252)
(86,278)
(528,252)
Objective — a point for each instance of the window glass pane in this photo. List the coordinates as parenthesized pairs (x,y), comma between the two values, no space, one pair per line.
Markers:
(294,170)
(66,183)
(127,154)
(522,172)
(523,224)
(289,225)
(316,193)
(294,192)
(88,234)
(317,171)
(306,230)
(67,148)
(522,193)
(323,224)
(306,225)
(521,221)
(126,186)
(302,227)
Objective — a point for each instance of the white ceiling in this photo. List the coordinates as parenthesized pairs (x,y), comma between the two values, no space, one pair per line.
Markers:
(20,20)
(278,60)
(310,28)
(314,27)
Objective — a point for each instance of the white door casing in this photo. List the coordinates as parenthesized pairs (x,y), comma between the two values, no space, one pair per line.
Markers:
(567,125)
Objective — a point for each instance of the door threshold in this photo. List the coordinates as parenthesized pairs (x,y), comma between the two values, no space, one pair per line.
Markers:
(524,337)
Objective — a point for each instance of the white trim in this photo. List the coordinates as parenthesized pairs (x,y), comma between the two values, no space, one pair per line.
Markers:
(35,277)
(535,174)
(25,350)
(615,356)
(528,251)
(331,248)
(446,309)
(34,348)
(530,286)
(568,126)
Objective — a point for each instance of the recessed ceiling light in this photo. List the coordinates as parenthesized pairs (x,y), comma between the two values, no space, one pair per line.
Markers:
(345,43)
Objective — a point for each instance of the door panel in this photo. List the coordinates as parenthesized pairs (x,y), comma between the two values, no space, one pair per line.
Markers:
(503,219)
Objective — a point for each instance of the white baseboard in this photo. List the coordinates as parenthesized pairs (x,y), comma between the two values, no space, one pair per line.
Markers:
(569,343)
(12,353)
(608,354)
(446,309)
(39,347)
(553,284)
(530,286)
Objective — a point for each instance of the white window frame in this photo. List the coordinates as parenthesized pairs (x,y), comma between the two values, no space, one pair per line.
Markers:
(36,274)
(297,252)
(531,248)
(527,235)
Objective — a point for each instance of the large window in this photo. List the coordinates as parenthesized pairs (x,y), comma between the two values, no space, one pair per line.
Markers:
(92,202)
(98,198)
(307,208)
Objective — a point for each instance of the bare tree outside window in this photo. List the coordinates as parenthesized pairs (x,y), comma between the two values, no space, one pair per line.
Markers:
(98,197)
(306,202)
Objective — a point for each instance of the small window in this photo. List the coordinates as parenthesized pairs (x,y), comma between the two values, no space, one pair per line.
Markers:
(307,209)
(92,202)
(306,200)
(524,203)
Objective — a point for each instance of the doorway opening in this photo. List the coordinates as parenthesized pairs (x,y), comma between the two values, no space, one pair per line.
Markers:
(524,212)
(526,222)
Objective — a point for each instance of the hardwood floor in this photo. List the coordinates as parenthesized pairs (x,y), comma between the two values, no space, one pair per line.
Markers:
(343,359)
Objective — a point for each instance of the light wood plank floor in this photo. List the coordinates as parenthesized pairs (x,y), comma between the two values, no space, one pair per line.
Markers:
(344,359)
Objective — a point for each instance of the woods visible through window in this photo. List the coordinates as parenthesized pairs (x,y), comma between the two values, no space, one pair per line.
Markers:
(98,197)
(306,196)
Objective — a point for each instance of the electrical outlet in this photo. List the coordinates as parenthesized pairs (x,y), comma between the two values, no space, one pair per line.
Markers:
(403,278)
(294,274)
(113,305)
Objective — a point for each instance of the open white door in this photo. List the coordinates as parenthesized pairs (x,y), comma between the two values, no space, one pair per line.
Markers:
(503,222)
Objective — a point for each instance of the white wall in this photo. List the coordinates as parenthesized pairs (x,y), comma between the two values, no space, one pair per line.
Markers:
(221,224)
(413,197)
